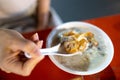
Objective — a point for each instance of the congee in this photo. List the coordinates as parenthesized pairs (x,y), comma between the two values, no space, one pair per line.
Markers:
(80,40)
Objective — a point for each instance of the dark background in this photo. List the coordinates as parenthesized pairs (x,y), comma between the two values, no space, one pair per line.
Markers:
(72,10)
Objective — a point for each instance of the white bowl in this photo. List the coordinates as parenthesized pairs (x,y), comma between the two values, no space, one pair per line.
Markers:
(99,34)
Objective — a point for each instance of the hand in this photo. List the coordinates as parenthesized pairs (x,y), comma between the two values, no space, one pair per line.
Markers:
(12,60)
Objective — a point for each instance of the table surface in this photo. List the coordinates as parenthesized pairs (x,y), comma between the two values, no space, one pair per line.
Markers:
(46,70)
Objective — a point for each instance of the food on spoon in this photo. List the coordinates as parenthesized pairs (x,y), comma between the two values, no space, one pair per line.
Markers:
(73,41)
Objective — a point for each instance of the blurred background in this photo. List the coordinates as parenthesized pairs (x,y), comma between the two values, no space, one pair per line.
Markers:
(72,10)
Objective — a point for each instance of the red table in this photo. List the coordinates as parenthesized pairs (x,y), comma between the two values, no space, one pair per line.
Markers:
(46,70)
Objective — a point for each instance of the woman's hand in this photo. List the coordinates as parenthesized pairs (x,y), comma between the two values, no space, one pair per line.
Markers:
(12,60)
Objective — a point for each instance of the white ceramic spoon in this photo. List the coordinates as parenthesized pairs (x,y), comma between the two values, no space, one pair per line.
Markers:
(53,51)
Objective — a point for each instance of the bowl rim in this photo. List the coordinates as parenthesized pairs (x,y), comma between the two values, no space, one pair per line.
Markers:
(81,72)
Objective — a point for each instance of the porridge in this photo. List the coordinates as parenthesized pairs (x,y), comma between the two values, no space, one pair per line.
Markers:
(93,53)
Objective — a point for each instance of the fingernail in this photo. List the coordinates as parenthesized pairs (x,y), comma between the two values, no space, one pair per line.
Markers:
(36,37)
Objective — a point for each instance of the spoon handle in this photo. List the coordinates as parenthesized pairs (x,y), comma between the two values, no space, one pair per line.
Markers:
(50,50)
(47,51)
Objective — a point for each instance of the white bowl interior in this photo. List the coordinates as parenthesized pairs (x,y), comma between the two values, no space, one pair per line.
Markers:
(88,27)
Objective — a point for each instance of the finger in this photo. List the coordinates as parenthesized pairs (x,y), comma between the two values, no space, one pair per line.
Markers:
(39,44)
(5,70)
(31,48)
(35,37)
(30,65)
